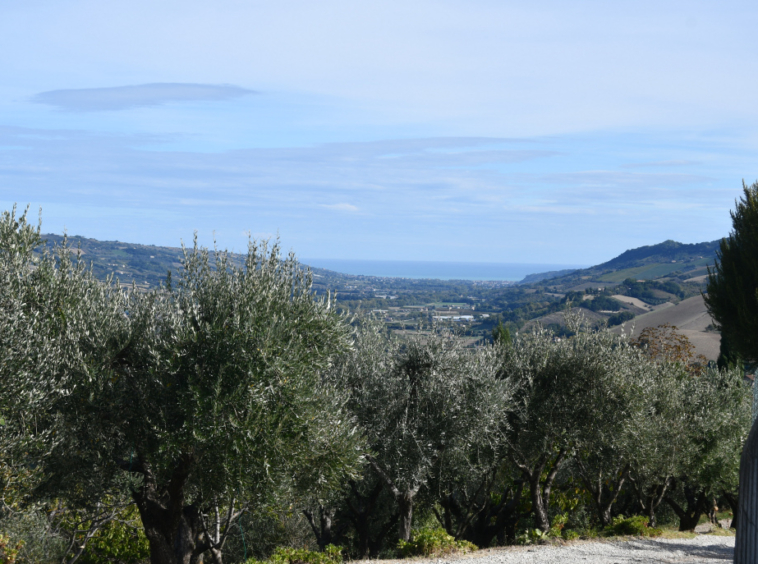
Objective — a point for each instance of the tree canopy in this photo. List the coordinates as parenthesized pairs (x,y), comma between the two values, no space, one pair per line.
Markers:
(201,395)
(427,405)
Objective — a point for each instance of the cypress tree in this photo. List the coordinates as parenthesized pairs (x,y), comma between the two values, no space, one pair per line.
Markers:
(732,300)
(733,282)
(501,334)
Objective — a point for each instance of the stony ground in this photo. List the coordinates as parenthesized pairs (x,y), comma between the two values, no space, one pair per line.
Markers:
(703,549)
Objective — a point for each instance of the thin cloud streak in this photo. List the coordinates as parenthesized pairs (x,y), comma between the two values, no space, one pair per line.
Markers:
(425,208)
(350,208)
(137,96)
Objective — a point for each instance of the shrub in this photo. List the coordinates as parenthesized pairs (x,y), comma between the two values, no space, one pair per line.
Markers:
(284,555)
(532,536)
(122,540)
(570,534)
(589,533)
(620,318)
(559,521)
(635,526)
(8,551)
(433,542)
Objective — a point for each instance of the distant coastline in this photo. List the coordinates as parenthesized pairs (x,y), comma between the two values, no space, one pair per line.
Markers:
(511,272)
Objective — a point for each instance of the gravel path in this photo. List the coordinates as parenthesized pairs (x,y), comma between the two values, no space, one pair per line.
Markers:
(704,549)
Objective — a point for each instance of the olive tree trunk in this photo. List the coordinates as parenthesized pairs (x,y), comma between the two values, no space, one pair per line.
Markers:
(603,490)
(650,498)
(539,488)
(323,527)
(172,529)
(696,505)
(403,498)
(177,532)
(361,512)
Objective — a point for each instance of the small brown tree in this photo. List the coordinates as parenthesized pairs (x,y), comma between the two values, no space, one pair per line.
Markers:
(666,343)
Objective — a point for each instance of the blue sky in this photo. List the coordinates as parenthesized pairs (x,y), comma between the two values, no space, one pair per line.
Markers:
(541,132)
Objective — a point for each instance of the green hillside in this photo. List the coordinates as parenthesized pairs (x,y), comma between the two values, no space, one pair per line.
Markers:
(666,252)
(653,270)
(670,259)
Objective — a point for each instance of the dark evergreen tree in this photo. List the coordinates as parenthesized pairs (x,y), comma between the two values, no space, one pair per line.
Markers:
(728,357)
(501,335)
(732,300)
(733,281)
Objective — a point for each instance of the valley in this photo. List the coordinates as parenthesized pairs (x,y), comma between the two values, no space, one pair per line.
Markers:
(645,286)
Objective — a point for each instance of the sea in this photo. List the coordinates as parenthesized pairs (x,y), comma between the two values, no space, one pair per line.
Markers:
(512,272)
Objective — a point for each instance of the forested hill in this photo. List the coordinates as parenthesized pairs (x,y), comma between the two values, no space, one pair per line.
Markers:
(667,251)
(643,263)
(145,265)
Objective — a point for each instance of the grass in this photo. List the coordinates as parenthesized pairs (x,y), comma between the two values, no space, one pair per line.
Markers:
(719,532)
(677,534)
(646,272)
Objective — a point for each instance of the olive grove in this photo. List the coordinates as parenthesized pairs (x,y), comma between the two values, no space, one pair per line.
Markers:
(231,411)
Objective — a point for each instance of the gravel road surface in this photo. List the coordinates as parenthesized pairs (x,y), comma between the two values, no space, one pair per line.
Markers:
(703,549)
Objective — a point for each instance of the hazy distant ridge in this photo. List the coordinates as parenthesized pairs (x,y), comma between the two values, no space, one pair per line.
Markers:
(539,277)
(667,252)
(662,252)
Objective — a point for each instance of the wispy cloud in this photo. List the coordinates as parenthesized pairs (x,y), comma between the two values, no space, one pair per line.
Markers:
(138,96)
(662,164)
(341,207)
(350,199)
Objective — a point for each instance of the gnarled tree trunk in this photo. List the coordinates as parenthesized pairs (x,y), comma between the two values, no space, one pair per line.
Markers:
(697,504)
(405,505)
(323,529)
(603,498)
(733,500)
(498,521)
(404,499)
(650,500)
(173,529)
(539,490)
(361,513)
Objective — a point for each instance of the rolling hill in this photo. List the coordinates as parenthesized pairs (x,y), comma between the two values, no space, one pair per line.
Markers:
(667,259)
(655,284)
(689,316)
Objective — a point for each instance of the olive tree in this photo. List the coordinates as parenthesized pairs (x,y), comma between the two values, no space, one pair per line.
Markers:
(471,483)
(24,306)
(425,403)
(195,398)
(574,399)
(658,437)
(614,399)
(716,407)
(549,374)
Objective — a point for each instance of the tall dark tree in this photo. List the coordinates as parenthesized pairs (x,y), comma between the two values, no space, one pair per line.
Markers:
(501,334)
(732,301)
(733,281)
